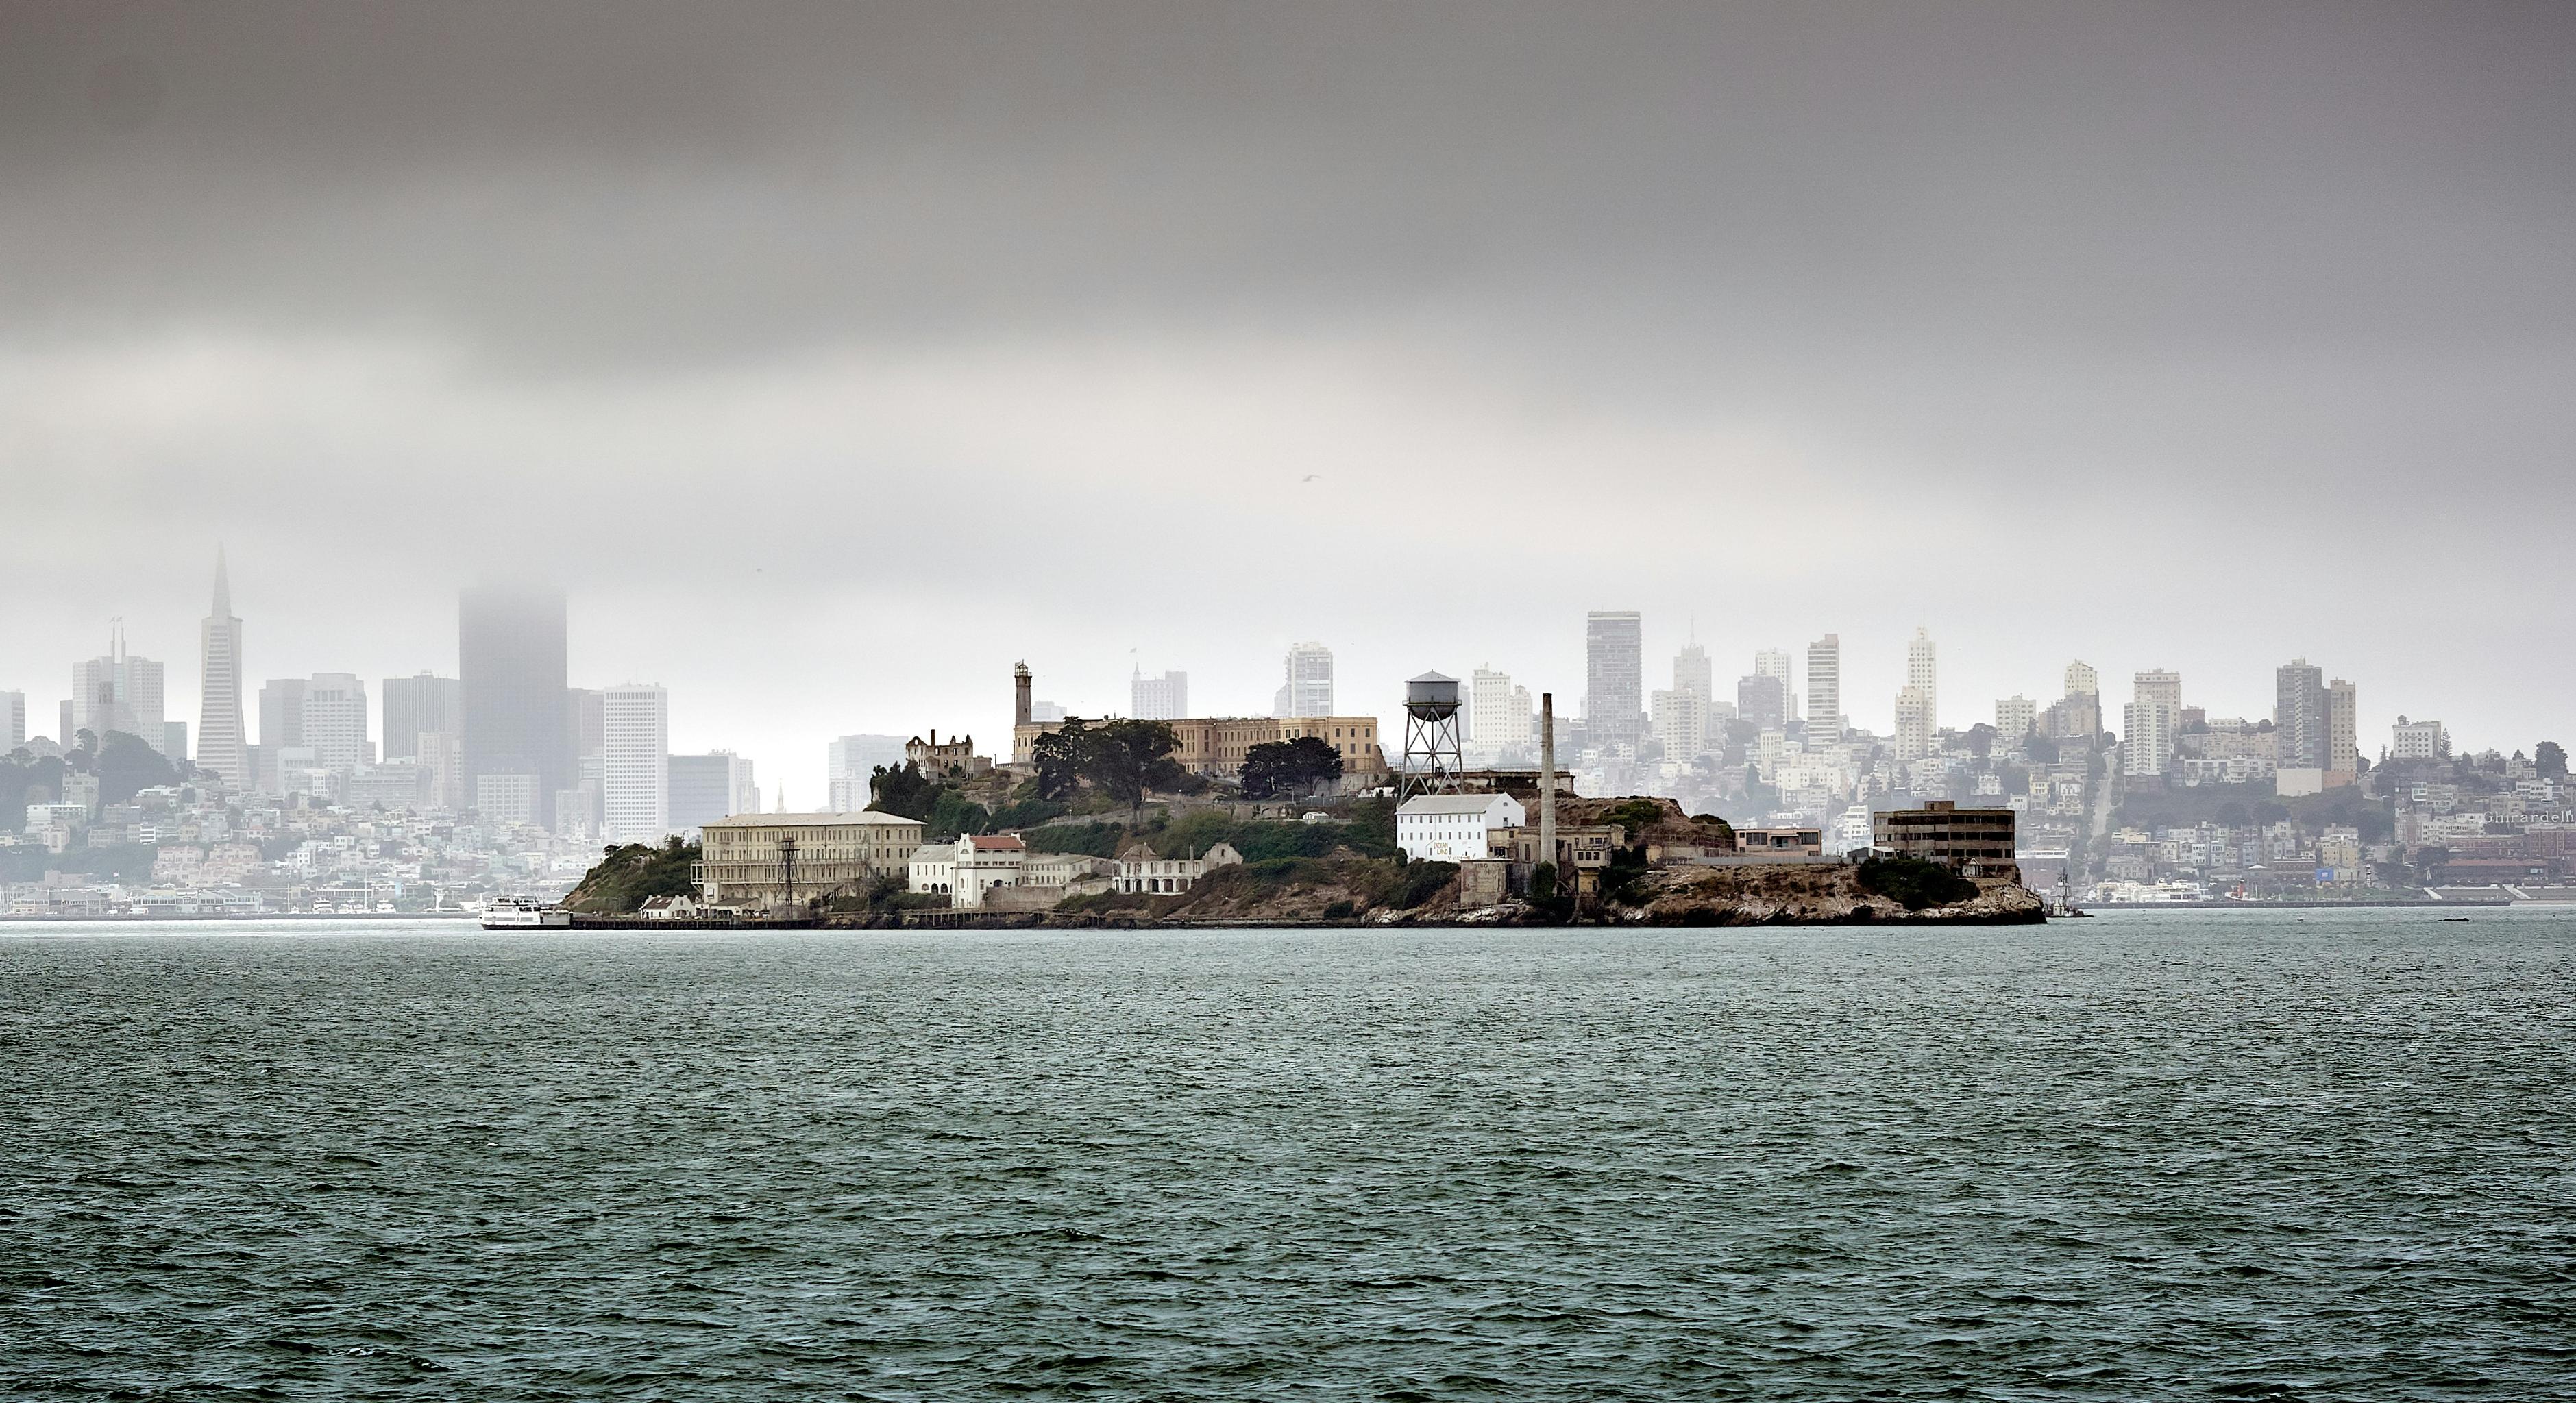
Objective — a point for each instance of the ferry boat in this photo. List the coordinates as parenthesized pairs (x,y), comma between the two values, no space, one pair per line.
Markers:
(522,913)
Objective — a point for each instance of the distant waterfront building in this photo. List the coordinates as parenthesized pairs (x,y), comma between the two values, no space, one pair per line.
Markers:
(416,706)
(746,860)
(1693,673)
(1308,690)
(117,692)
(1502,723)
(1825,689)
(2299,716)
(13,718)
(704,788)
(1614,674)
(222,744)
(635,763)
(335,722)
(1922,673)
(2343,733)
(2418,740)
(850,762)
(511,688)
(2016,717)
(1164,698)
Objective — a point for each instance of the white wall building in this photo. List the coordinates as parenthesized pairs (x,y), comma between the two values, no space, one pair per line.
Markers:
(985,861)
(1139,870)
(1454,827)
(933,871)
(2418,740)
(635,763)
(2015,717)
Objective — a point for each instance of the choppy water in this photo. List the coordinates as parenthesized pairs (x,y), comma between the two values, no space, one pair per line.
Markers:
(2278,1156)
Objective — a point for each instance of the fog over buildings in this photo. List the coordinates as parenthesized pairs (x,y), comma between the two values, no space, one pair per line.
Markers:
(832,360)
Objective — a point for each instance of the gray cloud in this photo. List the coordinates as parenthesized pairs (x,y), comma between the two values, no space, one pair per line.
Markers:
(2232,301)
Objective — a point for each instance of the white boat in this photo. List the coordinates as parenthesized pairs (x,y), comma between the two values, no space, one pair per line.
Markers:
(522,913)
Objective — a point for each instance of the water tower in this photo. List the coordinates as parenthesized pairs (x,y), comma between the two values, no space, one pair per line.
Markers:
(1433,754)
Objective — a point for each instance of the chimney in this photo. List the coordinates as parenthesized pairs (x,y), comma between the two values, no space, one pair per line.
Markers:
(1547,779)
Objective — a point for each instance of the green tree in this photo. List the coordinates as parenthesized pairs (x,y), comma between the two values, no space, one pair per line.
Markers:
(1060,756)
(2551,757)
(906,791)
(1128,759)
(1285,767)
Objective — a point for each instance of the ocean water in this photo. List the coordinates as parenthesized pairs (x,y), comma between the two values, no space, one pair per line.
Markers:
(2171,1155)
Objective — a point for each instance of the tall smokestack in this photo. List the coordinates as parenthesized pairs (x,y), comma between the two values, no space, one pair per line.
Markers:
(1547,779)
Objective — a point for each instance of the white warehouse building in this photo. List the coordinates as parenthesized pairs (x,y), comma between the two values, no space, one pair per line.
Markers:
(1454,827)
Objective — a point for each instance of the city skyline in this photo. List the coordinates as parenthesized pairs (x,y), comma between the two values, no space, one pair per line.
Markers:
(352,733)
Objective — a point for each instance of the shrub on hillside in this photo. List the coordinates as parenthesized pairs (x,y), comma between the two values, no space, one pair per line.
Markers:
(1914,883)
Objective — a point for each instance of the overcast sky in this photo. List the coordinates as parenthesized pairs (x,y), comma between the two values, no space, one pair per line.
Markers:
(837,357)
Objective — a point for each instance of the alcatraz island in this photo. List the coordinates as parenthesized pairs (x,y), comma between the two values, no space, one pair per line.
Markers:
(1289,821)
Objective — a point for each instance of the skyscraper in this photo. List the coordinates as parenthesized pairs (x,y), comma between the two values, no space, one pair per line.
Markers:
(1774,662)
(1760,699)
(1500,724)
(1825,689)
(1914,728)
(416,706)
(1692,672)
(1164,698)
(2148,723)
(222,745)
(709,787)
(1308,690)
(1614,675)
(2299,716)
(118,692)
(2081,680)
(635,763)
(2015,717)
(13,719)
(335,722)
(511,673)
(1680,724)
(2343,739)
(850,762)
(1922,673)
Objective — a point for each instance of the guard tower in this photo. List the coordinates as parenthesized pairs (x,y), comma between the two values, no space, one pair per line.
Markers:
(1433,754)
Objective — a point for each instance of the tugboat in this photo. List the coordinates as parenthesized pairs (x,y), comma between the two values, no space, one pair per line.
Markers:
(522,913)
(2062,904)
